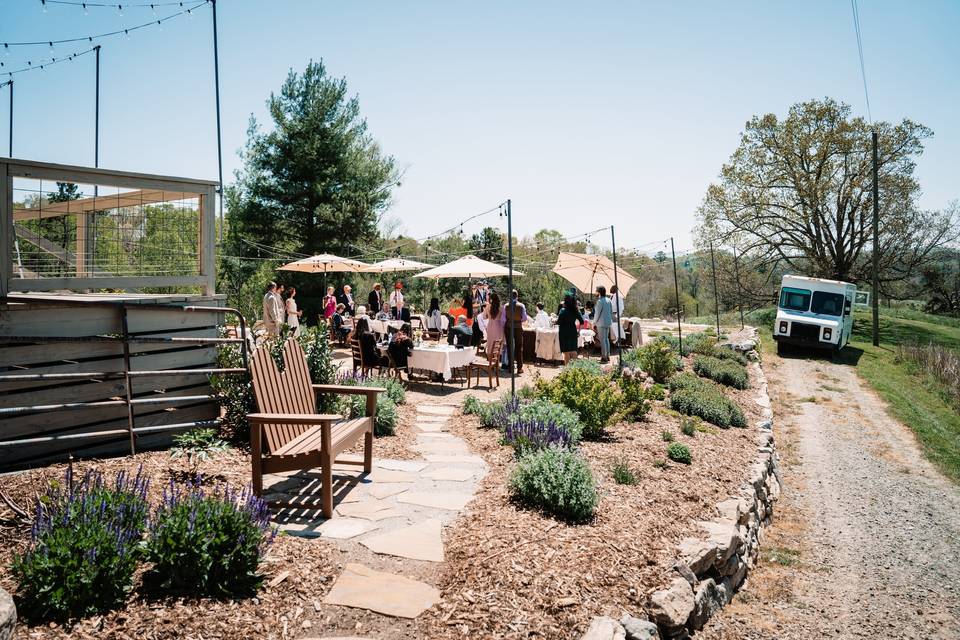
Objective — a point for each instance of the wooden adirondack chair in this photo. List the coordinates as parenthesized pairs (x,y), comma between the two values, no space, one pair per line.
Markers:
(297,437)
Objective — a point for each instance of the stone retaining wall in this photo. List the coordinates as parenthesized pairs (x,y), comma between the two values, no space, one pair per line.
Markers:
(8,615)
(711,567)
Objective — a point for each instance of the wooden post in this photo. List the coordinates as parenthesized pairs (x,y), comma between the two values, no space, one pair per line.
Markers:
(126,376)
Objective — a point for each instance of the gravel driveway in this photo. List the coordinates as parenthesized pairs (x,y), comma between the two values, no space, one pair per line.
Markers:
(866,539)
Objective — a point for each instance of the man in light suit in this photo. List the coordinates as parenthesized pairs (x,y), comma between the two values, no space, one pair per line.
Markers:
(272,310)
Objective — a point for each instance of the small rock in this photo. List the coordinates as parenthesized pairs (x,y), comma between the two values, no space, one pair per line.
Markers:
(671,607)
(8,615)
(638,629)
(725,535)
(686,572)
(699,555)
(707,601)
(604,628)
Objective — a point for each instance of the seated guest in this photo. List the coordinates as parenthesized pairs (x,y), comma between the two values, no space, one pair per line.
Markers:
(458,310)
(401,346)
(404,314)
(369,352)
(461,334)
(339,328)
(434,315)
(541,320)
(587,315)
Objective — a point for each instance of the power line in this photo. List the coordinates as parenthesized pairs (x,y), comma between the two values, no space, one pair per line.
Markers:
(107,5)
(40,65)
(863,72)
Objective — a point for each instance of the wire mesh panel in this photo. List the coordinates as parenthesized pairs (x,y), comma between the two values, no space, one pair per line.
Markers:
(72,230)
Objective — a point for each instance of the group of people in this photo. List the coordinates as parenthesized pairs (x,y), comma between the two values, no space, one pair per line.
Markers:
(601,315)
(279,306)
(394,308)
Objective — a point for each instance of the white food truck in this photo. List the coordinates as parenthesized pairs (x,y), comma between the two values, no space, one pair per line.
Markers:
(813,312)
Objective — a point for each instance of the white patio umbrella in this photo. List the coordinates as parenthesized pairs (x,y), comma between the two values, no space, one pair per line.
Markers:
(396,264)
(587,272)
(468,267)
(325,263)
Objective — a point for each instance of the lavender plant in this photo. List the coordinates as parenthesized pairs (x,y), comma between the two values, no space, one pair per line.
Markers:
(209,543)
(532,435)
(84,547)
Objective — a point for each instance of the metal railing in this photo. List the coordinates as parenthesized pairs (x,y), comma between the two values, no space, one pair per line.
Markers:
(126,373)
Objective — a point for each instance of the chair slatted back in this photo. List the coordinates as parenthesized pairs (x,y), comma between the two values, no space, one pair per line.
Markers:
(355,353)
(493,351)
(282,392)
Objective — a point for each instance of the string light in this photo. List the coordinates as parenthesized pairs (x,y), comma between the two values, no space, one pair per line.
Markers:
(120,9)
(43,5)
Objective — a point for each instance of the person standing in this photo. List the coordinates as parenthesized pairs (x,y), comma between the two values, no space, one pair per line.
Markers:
(375,300)
(329,304)
(617,302)
(567,321)
(272,313)
(492,320)
(541,320)
(346,299)
(603,319)
(396,300)
(518,317)
(293,314)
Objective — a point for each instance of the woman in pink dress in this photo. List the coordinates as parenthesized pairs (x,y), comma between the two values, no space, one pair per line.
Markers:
(329,304)
(493,331)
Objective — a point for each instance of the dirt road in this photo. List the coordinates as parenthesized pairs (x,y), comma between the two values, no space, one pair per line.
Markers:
(866,537)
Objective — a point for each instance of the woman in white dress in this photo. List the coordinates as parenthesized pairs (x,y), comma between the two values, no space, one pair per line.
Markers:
(293,315)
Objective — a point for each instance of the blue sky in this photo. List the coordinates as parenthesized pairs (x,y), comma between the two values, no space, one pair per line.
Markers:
(585,114)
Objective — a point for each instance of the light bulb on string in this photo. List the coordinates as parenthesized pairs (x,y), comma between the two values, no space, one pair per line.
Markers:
(190,13)
(154,9)
(160,24)
(6,48)
(51,47)
(120,9)
(43,5)
(126,32)
(86,11)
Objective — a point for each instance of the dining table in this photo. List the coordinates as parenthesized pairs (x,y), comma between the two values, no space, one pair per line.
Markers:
(442,359)
(548,342)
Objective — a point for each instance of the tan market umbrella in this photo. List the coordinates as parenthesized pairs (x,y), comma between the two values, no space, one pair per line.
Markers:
(468,267)
(325,263)
(396,264)
(587,272)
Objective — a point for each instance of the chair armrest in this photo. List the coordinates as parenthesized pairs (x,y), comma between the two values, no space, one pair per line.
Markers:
(292,418)
(345,389)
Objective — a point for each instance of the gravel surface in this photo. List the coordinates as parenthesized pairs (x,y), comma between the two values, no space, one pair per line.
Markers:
(866,538)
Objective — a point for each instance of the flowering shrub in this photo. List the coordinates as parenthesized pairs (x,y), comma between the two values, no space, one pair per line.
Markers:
(354,406)
(526,436)
(84,547)
(395,389)
(209,543)
(725,372)
(636,398)
(556,480)
(472,406)
(657,359)
(587,364)
(693,396)
(726,352)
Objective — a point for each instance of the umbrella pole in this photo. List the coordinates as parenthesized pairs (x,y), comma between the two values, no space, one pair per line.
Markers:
(512,303)
(616,284)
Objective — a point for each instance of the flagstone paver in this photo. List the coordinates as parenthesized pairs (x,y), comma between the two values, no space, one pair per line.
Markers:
(420,541)
(388,475)
(454,474)
(437,499)
(412,466)
(432,427)
(436,409)
(362,587)
(454,458)
(381,491)
(345,528)
(362,508)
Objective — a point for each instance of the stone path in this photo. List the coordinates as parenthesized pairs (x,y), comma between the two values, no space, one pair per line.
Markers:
(398,511)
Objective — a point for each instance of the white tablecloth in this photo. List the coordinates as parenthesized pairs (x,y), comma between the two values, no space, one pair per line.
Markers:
(548,342)
(380,326)
(442,359)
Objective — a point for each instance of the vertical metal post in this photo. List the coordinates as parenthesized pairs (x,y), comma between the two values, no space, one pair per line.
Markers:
(10,149)
(736,275)
(126,377)
(96,112)
(616,298)
(876,246)
(716,294)
(513,303)
(676,286)
(216,82)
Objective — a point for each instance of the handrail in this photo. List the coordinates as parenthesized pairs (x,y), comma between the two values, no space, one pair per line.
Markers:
(125,339)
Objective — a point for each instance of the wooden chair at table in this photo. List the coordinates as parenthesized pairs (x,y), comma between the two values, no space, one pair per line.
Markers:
(490,364)
(287,433)
(355,354)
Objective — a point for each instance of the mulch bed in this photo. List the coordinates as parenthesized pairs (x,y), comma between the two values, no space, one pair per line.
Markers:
(510,572)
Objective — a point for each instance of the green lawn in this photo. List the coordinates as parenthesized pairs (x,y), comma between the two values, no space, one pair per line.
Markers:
(914,399)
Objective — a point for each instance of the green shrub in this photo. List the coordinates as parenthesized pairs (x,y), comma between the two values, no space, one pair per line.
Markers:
(659,463)
(84,548)
(385,422)
(527,436)
(701,343)
(636,398)
(471,406)
(197,445)
(725,372)
(587,364)
(666,435)
(592,397)
(557,481)
(546,411)
(726,352)
(208,544)
(354,406)
(679,452)
(656,392)
(693,396)
(623,473)
(657,359)
(688,427)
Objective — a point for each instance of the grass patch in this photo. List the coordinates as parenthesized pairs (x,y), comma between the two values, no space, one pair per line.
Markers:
(622,473)
(783,556)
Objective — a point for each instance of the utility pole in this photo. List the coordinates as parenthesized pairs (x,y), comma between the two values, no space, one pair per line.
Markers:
(96,111)
(10,150)
(676,286)
(216,83)
(876,246)
(716,295)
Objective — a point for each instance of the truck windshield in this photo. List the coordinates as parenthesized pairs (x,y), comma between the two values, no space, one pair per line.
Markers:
(794,299)
(828,304)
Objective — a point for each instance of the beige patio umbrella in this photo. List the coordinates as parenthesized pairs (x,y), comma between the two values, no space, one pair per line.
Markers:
(587,272)
(468,267)
(325,263)
(396,264)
